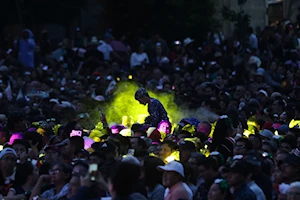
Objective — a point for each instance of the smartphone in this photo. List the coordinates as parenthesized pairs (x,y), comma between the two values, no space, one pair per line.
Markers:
(93,170)
(76,133)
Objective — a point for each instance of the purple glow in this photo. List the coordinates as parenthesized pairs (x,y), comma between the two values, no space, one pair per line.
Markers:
(15,136)
(164,127)
(117,128)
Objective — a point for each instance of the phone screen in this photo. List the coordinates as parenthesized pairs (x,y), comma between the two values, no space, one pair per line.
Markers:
(76,133)
(93,170)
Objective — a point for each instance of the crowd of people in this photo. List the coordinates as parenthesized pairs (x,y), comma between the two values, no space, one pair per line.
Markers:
(251,151)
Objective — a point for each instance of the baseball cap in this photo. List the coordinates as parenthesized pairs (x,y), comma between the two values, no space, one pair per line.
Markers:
(263,92)
(283,129)
(173,166)
(7,151)
(108,147)
(266,133)
(51,147)
(131,159)
(253,160)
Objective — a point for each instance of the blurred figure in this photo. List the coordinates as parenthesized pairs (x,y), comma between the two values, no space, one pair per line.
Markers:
(153,178)
(219,191)
(26,47)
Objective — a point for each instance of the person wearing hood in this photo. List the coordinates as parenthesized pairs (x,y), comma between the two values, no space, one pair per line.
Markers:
(26,47)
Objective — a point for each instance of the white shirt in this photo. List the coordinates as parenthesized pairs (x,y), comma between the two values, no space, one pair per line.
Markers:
(137,59)
(186,187)
(106,49)
(257,191)
(253,41)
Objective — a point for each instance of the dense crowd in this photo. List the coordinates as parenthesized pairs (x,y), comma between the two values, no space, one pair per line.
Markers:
(250,151)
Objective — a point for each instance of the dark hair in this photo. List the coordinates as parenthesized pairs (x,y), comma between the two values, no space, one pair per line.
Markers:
(23,171)
(170,143)
(35,138)
(142,143)
(247,143)
(281,103)
(291,140)
(21,142)
(257,137)
(222,128)
(81,163)
(141,153)
(198,157)
(14,118)
(124,178)
(99,155)
(82,151)
(136,127)
(77,142)
(152,175)
(66,168)
(68,128)
(210,162)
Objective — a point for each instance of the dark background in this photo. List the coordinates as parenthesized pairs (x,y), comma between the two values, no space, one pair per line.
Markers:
(173,19)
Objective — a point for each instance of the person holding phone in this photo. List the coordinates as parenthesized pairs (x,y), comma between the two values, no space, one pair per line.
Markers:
(156,110)
(92,185)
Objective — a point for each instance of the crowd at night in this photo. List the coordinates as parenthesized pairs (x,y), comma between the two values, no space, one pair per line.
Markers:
(107,117)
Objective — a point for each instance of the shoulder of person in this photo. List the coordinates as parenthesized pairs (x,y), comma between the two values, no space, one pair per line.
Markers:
(137,196)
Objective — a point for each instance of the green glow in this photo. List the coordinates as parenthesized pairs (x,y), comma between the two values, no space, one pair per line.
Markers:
(123,108)
(126,110)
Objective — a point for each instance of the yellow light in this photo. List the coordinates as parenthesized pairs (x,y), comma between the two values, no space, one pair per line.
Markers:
(97,139)
(40,131)
(124,104)
(126,132)
(130,77)
(141,118)
(174,156)
(247,133)
(96,135)
(90,150)
(294,123)
(189,128)
(118,79)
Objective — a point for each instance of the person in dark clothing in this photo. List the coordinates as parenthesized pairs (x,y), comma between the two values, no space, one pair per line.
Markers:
(156,110)
(123,181)
(238,174)
(262,180)
(222,141)
(209,172)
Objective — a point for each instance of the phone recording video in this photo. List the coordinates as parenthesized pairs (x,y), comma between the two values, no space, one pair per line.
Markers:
(93,170)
